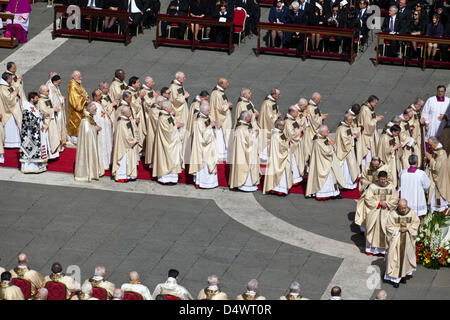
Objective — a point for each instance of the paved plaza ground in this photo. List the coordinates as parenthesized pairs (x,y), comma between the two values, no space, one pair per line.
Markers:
(151,228)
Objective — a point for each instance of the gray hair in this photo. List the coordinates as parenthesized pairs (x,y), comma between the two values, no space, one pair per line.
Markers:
(381,295)
(86,288)
(90,105)
(100,271)
(179,74)
(322,128)
(418,100)
(277,123)
(126,94)
(124,109)
(295,4)
(315,95)
(75,73)
(253,285)
(434,139)
(42,293)
(244,114)
(347,116)
(42,88)
(166,104)
(294,287)
(302,102)
(204,106)
(147,79)
(273,91)
(102,85)
(118,294)
(396,119)
(413,159)
(244,91)
(394,8)
(213,280)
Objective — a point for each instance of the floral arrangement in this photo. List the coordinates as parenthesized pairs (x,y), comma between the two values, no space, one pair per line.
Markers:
(432,249)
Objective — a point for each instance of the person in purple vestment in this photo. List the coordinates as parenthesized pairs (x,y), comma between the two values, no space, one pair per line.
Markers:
(19,27)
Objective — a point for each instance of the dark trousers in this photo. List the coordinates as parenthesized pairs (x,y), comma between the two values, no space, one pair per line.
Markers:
(222,34)
(135,19)
(181,29)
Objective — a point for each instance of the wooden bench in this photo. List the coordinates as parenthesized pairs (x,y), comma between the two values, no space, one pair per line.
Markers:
(7,42)
(306,30)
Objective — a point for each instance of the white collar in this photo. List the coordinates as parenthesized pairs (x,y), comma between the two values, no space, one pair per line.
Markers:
(439,146)
(165,112)
(242,121)
(220,88)
(294,294)
(312,102)
(124,117)
(276,130)
(390,124)
(388,130)
(345,124)
(22,267)
(270,97)
(401,117)
(3,82)
(145,87)
(350,111)
(213,288)
(289,116)
(197,98)
(42,96)
(177,82)
(124,102)
(243,99)
(251,293)
(171,280)
(202,114)
(97,278)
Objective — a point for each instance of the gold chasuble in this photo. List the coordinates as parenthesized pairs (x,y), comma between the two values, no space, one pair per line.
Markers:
(370,175)
(220,112)
(204,148)
(293,131)
(212,294)
(389,156)
(77,102)
(54,133)
(406,140)
(194,109)
(88,165)
(315,121)
(179,101)
(345,149)
(167,157)
(124,143)
(8,291)
(401,257)
(9,104)
(439,172)
(279,161)
(151,112)
(116,89)
(368,123)
(16,83)
(267,118)
(418,133)
(245,156)
(374,216)
(34,277)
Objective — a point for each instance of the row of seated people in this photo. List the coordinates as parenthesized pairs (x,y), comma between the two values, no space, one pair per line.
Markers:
(223,10)
(141,13)
(402,20)
(320,14)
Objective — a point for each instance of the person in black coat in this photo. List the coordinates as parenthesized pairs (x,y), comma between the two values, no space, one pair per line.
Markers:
(221,34)
(416,27)
(153,7)
(391,24)
(336,19)
(298,17)
(176,8)
(253,15)
(197,8)
(136,10)
(316,19)
(404,16)
(434,29)
(115,5)
(363,15)
(351,22)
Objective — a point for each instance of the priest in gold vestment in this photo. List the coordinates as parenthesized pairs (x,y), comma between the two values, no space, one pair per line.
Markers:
(409,145)
(152,123)
(389,148)
(178,97)
(59,101)
(137,110)
(278,176)
(22,271)
(367,120)
(118,85)
(324,171)
(346,153)
(8,291)
(294,131)
(438,170)
(11,111)
(88,162)
(52,131)
(78,99)
(194,109)
(167,152)
(221,115)
(58,275)
(251,292)
(401,231)
(379,199)
(269,114)
(204,158)
(417,123)
(99,281)
(124,159)
(315,120)
(370,173)
(212,291)
(245,161)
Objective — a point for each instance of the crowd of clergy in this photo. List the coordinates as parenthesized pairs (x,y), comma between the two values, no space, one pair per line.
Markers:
(123,123)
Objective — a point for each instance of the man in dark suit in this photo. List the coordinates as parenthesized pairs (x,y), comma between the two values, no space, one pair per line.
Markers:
(136,10)
(362,17)
(404,16)
(298,17)
(252,9)
(94,4)
(391,24)
(151,12)
(176,8)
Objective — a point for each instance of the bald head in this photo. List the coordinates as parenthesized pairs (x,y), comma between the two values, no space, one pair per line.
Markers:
(402,206)
(293,111)
(100,271)
(22,259)
(118,294)
(275,93)
(204,108)
(149,82)
(76,75)
(381,295)
(302,103)
(42,294)
(223,83)
(134,276)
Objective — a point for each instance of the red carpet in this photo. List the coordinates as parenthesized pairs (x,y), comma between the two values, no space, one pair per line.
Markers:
(66,163)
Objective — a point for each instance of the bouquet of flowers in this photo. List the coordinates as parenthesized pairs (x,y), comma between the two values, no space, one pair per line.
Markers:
(432,243)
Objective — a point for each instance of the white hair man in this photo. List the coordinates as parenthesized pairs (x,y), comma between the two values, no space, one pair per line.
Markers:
(136,286)
(86,292)
(294,131)
(42,294)
(172,288)
(98,281)
(78,99)
(294,292)
(221,114)
(10,111)
(124,160)
(402,226)
(245,161)
(245,104)
(52,133)
(167,152)
(381,295)
(204,158)
(152,123)
(89,164)
(324,173)
(23,272)
(278,178)
(315,119)
(269,114)
(212,291)
(251,292)
(194,109)
(439,192)
(417,125)
(178,97)
(118,294)
(346,153)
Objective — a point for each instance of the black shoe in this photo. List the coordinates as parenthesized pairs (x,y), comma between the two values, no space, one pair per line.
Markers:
(339,196)
(403,280)
(396,285)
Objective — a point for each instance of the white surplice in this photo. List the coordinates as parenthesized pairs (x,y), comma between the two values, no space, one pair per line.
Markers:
(138,288)
(282,185)
(206,180)
(105,136)
(12,134)
(431,111)
(328,189)
(413,186)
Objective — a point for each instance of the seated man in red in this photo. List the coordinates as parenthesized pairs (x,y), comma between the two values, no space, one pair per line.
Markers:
(98,281)
(72,286)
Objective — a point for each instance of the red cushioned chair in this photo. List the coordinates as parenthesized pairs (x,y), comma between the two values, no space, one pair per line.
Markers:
(240,15)
(170,297)
(24,285)
(99,293)
(130,295)
(56,290)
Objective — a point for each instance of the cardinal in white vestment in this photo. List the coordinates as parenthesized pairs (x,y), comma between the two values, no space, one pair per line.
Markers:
(105,136)
(436,113)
